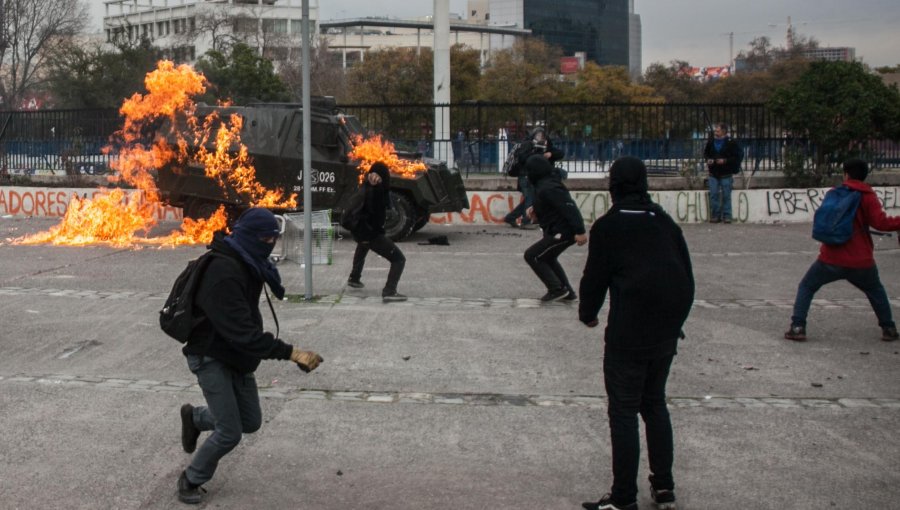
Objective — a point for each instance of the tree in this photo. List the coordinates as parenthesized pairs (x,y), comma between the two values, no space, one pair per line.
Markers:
(673,82)
(392,76)
(29,31)
(465,73)
(92,77)
(214,23)
(525,73)
(241,76)
(839,107)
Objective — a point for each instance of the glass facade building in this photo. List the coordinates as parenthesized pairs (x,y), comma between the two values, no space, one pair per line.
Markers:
(600,28)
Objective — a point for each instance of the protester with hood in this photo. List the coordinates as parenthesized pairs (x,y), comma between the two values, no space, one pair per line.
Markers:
(228,344)
(638,254)
(369,234)
(561,225)
(538,143)
(853,261)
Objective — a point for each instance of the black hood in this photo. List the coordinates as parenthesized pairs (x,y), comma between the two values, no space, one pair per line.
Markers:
(384,172)
(537,167)
(627,177)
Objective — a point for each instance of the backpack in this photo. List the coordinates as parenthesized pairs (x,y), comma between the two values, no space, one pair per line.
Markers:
(833,220)
(177,315)
(353,213)
(511,166)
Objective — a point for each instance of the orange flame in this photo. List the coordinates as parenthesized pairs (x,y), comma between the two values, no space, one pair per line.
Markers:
(371,150)
(109,218)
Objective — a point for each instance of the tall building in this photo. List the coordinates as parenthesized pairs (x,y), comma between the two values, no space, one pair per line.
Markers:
(635,69)
(186,29)
(600,29)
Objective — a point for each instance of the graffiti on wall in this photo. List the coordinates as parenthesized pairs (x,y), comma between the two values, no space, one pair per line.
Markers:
(53,202)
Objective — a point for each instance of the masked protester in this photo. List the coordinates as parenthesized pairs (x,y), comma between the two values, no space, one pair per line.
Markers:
(638,254)
(537,144)
(228,344)
(561,225)
(369,234)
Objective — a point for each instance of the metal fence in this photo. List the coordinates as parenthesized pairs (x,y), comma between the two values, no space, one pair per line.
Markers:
(670,137)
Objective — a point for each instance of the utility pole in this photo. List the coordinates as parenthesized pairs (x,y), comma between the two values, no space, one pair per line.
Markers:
(442,136)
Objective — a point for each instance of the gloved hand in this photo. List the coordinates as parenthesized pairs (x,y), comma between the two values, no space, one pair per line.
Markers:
(306,360)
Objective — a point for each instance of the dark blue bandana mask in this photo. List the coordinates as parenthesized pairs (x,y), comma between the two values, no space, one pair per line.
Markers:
(246,238)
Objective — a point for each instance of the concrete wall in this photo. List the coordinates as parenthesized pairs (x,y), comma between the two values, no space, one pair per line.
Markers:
(795,205)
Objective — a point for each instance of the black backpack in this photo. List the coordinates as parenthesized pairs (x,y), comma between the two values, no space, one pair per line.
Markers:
(511,166)
(177,315)
(353,213)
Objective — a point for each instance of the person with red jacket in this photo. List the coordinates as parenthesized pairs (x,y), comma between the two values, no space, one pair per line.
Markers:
(853,261)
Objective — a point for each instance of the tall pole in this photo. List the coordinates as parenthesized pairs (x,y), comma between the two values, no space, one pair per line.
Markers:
(442,145)
(307,157)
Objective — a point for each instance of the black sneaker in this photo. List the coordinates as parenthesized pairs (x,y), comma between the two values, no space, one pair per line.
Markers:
(796,333)
(356,284)
(715,220)
(511,222)
(188,492)
(889,334)
(555,295)
(664,498)
(392,297)
(571,296)
(606,503)
(189,431)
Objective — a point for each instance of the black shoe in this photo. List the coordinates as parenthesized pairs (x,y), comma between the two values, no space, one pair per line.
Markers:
(606,503)
(796,333)
(188,492)
(571,296)
(392,297)
(715,220)
(664,498)
(511,222)
(555,295)
(189,431)
(726,220)
(356,284)
(889,334)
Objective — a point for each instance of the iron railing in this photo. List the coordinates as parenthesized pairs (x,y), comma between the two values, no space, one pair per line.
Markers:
(670,137)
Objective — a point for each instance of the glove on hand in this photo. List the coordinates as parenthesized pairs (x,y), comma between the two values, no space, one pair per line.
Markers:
(306,360)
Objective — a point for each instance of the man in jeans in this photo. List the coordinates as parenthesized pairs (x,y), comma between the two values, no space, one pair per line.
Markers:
(227,345)
(723,159)
(639,255)
(853,261)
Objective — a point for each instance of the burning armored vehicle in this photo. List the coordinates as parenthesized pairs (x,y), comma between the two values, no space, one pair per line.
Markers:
(273,138)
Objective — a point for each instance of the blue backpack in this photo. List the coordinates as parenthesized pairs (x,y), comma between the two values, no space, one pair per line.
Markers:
(833,220)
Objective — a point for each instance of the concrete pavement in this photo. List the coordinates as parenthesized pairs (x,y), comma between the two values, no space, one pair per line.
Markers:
(472,395)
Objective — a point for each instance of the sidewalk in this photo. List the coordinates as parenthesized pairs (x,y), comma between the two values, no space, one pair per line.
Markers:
(472,395)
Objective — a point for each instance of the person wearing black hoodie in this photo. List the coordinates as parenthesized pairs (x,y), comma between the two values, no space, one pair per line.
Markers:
(561,223)
(228,344)
(638,254)
(369,234)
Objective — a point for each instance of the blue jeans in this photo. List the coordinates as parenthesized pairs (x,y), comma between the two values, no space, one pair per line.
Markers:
(638,386)
(232,410)
(720,206)
(528,199)
(866,280)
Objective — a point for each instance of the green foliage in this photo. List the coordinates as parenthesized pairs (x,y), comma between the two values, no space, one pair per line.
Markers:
(392,76)
(241,76)
(85,77)
(672,83)
(525,73)
(839,107)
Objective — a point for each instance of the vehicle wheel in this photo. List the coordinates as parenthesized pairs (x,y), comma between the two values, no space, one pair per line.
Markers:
(399,221)
(199,209)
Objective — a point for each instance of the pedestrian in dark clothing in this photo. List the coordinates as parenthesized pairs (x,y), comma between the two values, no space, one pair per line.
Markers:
(538,143)
(228,344)
(561,223)
(638,254)
(369,235)
(723,159)
(853,261)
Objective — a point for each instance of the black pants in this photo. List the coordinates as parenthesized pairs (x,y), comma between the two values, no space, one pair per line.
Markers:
(638,386)
(387,249)
(542,255)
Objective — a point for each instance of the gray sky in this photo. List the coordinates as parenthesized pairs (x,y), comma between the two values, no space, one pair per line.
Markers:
(697,30)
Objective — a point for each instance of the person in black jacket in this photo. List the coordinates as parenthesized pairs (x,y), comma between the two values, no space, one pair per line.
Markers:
(639,255)
(561,223)
(723,159)
(227,345)
(369,234)
(538,143)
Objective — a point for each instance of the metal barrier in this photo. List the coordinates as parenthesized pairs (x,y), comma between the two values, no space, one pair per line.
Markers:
(292,239)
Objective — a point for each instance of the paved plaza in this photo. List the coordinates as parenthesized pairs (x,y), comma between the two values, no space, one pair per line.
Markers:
(471,395)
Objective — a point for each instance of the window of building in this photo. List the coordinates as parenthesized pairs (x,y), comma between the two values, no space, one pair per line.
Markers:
(244,25)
